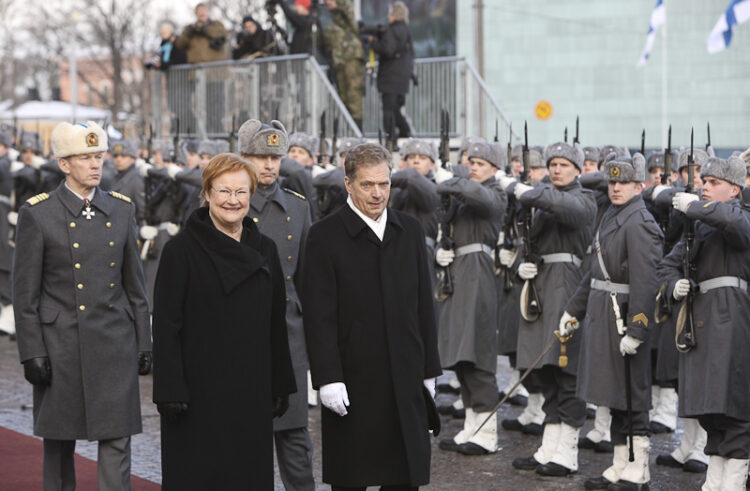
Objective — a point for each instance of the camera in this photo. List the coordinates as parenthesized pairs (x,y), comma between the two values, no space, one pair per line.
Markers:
(153,62)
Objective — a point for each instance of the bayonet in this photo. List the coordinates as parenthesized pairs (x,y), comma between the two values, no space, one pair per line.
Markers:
(576,140)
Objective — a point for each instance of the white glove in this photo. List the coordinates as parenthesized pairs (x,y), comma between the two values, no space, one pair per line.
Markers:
(567,324)
(506,181)
(172,170)
(334,397)
(506,257)
(681,289)
(681,201)
(12,218)
(629,345)
(149,232)
(444,257)
(527,271)
(430,384)
(37,161)
(657,191)
(143,168)
(520,189)
(172,229)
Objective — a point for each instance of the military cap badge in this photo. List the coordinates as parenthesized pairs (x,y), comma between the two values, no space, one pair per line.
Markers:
(92,140)
(118,148)
(614,172)
(273,140)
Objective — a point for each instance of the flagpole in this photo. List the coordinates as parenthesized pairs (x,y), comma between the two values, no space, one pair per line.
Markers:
(664,79)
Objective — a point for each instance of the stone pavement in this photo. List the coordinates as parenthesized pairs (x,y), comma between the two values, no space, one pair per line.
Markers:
(450,471)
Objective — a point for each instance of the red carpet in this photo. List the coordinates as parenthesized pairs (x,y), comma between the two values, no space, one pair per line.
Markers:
(21,466)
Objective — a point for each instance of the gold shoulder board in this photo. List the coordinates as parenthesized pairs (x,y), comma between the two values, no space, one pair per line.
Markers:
(295,193)
(117,195)
(37,199)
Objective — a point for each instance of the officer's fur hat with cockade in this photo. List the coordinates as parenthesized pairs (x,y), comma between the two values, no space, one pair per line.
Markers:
(731,170)
(572,153)
(414,146)
(78,139)
(258,138)
(625,169)
(125,147)
(483,150)
(304,141)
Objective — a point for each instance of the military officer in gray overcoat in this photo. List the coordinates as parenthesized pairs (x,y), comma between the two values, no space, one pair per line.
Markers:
(562,217)
(617,297)
(284,216)
(81,313)
(467,337)
(714,378)
(128,181)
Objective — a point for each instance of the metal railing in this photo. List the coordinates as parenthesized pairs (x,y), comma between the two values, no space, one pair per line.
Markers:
(204,99)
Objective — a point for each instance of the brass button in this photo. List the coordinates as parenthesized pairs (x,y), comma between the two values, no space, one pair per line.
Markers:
(111,285)
(108,224)
(110,306)
(289,258)
(287,299)
(72,224)
(111,244)
(288,278)
(80,286)
(700,323)
(76,245)
(82,308)
(255,219)
(288,219)
(112,264)
(77,265)
(288,237)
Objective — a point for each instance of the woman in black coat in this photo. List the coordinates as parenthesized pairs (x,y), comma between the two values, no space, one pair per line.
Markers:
(220,341)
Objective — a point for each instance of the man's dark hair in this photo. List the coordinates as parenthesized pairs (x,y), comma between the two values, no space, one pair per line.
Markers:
(363,155)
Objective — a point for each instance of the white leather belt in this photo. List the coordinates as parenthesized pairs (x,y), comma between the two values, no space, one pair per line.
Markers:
(721,282)
(5,199)
(430,242)
(561,257)
(610,287)
(472,248)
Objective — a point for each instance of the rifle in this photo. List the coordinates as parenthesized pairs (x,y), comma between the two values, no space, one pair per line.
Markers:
(446,213)
(508,165)
(497,139)
(322,140)
(565,135)
(176,141)
(333,140)
(664,218)
(643,143)
(708,132)
(531,304)
(444,149)
(147,179)
(576,140)
(685,333)
(231,134)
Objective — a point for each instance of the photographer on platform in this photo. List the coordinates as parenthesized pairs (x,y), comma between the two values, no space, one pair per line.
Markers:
(167,54)
(253,41)
(299,16)
(204,39)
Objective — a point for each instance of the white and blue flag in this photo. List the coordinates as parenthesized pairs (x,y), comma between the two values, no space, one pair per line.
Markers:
(658,18)
(721,35)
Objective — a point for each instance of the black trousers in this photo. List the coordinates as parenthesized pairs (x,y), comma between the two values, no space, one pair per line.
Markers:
(727,437)
(393,119)
(560,402)
(478,387)
(620,424)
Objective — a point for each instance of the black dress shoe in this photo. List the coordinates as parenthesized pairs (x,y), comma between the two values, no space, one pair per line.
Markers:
(585,443)
(448,444)
(604,446)
(459,413)
(590,413)
(532,429)
(627,486)
(657,428)
(447,389)
(554,470)
(446,409)
(526,463)
(695,466)
(667,460)
(518,400)
(597,483)
(470,448)
(512,425)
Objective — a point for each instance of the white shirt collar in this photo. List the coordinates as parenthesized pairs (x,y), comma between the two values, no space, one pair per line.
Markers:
(377,226)
(89,197)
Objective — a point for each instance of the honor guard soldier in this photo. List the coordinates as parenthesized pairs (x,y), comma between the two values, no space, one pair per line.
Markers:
(7,325)
(616,296)
(591,158)
(467,337)
(556,235)
(302,148)
(128,181)
(284,216)
(711,302)
(81,313)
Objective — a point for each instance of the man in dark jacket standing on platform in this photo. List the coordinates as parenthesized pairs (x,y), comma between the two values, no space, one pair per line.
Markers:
(371,337)
(396,62)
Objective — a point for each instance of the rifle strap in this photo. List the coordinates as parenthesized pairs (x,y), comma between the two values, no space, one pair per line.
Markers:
(612,292)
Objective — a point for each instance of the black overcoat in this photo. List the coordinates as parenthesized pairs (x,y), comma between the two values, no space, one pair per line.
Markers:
(369,323)
(220,344)
(395,59)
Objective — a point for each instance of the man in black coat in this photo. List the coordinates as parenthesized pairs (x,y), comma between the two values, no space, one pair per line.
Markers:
(396,62)
(370,331)
(301,40)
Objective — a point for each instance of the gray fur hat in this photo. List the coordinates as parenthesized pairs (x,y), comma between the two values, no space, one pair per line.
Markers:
(6,137)
(29,141)
(501,151)
(347,143)
(655,159)
(466,143)
(304,141)
(483,150)
(572,153)
(731,170)
(591,153)
(221,146)
(618,151)
(258,138)
(206,147)
(414,146)
(517,152)
(699,158)
(625,169)
(536,159)
(124,147)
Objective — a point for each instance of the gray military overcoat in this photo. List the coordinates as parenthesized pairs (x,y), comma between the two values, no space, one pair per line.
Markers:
(284,216)
(80,300)
(130,183)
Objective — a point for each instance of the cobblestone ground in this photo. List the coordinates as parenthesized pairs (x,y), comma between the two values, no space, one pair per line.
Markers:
(450,471)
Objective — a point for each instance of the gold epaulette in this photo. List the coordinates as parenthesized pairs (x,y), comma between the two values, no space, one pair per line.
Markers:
(117,195)
(295,193)
(37,199)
